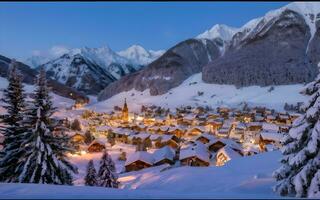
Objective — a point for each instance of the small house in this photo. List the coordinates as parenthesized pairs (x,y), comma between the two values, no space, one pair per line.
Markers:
(139,160)
(167,140)
(78,138)
(96,146)
(197,130)
(165,155)
(205,138)
(195,155)
(226,154)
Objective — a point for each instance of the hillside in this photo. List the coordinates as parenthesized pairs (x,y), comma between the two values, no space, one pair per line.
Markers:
(189,93)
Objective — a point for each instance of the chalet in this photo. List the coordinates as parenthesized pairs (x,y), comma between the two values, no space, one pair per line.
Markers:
(271,119)
(238,132)
(78,138)
(167,140)
(97,146)
(103,129)
(284,128)
(217,144)
(271,138)
(139,138)
(214,124)
(205,138)
(270,127)
(164,155)
(226,154)
(284,119)
(196,130)
(195,155)
(139,160)
(122,135)
(254,126)
(223,132)
(178,131)
(251,150)
(189,118)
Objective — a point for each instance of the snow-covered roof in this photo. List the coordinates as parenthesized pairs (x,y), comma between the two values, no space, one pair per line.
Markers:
(254,124)
(271,117)
(198,150)
(269,127)
(163,153)
(103,128)
(227,142)
(229,152)
(164,128)
(101,141)
(189,116)
(241,126)
(140,155)
(206,135)
(166,138)
(274,136)
(142,135)
(155,136)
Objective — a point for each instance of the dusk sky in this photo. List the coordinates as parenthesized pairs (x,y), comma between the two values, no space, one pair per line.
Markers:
(26,28)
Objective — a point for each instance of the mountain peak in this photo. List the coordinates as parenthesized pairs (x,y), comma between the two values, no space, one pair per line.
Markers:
(139,55)
(219,31)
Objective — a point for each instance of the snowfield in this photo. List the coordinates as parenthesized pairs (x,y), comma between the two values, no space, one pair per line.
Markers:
(213,95)
(246,177)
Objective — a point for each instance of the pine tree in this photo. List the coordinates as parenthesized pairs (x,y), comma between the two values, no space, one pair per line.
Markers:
(45,159)
(13,98)
(107,172)
(299,174)
(91,176)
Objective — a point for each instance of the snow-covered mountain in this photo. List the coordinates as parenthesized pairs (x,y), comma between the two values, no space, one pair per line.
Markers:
(219,32)
(89,69)
(30,74)
(92,69)
(282,47)
(138,55)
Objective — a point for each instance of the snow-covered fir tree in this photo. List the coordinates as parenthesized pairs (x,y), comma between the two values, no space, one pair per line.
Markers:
(45,159)
(107,172)
(299,174)
(13,129)
(91,176)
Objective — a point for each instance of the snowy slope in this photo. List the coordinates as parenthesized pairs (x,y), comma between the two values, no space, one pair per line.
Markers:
(308,10)
(247,177)
(214,95)
(138,55)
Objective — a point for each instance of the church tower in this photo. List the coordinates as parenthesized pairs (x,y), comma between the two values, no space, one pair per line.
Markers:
(125,111)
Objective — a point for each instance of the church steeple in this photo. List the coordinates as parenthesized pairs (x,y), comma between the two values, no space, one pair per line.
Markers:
(125,111)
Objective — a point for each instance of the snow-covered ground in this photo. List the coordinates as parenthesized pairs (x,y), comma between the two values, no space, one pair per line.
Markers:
(213,95)
(247,177)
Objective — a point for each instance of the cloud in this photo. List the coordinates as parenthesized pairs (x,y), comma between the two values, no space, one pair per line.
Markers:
(53,52)
(57,51)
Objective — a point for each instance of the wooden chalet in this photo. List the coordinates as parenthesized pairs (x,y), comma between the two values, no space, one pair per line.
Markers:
(165,155)
(195,155)
(139,160)
(96,146)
